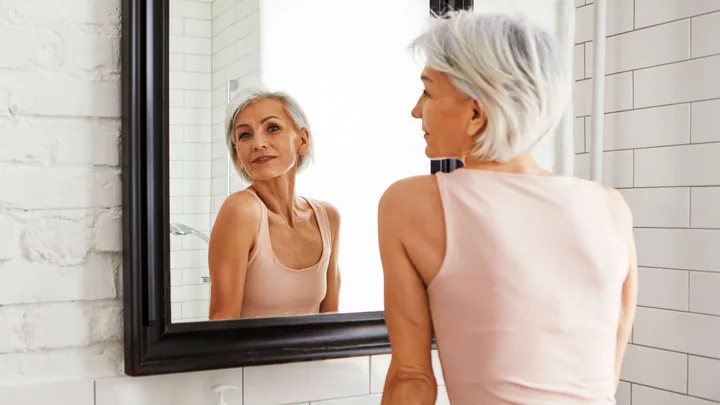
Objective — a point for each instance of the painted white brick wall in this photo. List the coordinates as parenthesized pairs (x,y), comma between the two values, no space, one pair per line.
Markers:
(60,316)
(190,153)
(661,147)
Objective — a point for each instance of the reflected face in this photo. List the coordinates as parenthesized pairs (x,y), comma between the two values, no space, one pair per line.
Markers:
(450,118)
(267,143)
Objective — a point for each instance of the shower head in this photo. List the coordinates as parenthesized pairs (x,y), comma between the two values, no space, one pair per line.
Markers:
(179,229)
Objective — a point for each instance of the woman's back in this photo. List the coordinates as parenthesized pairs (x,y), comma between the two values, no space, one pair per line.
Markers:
(526,303)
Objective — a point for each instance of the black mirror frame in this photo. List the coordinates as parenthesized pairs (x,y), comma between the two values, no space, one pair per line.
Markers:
(152,344)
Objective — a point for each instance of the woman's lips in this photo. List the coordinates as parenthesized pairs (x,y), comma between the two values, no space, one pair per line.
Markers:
(263,159)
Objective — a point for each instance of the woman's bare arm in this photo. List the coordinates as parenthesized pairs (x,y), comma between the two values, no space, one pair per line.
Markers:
(331,303)
(410,379)
(630,285)
(231,240)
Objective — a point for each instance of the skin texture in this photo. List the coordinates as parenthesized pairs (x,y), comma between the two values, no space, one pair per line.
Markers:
(411,235)
(264,129)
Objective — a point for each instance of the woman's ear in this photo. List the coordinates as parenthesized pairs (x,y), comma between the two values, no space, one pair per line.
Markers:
(304,142)
(478,119)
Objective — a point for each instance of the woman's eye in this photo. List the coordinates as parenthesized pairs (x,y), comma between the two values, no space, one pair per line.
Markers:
(425,93)
(273,128)
(243,136)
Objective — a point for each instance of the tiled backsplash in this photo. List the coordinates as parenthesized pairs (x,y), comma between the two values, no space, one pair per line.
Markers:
(350,381)
(660,148)
(190,153)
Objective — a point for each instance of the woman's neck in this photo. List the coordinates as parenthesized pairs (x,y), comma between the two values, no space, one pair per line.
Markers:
(278,194)
(521,164)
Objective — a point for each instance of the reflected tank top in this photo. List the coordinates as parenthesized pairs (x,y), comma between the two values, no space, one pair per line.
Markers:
(274,290)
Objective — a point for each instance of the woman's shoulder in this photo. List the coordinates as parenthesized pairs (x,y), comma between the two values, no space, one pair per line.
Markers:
(411,197)
(411,189)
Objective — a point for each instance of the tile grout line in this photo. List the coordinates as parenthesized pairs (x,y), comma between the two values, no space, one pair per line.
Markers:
(657,147)
(676,393)
(680,228)
(585,51)
(712,316)
(652,66)
(649,26)
(690,216)
(633,168)
(675,269)
(650,106)
(689,292)
(690,21)
(632,87)
(687,376)
(690,122)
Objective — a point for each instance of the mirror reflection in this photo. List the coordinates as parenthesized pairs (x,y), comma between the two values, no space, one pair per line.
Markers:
(272,252)
(286,125)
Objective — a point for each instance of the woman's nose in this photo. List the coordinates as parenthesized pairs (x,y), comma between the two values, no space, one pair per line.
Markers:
(259,142)
(416,110)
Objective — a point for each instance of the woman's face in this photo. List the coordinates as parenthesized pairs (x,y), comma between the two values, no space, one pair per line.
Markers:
(450,119)
(267,143)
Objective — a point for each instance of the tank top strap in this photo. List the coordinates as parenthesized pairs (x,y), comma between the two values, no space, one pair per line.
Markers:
(323,223)
(448,207)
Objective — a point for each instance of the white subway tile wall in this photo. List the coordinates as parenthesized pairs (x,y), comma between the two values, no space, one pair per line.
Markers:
(235,56)
(60,317)
(190,152)
(211,43)
(661,143)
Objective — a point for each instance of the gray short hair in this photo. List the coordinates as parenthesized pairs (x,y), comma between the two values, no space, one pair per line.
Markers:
(245,98)
(513,68)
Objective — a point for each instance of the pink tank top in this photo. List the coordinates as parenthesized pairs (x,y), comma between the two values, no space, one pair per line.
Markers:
(527,302)
(274,290)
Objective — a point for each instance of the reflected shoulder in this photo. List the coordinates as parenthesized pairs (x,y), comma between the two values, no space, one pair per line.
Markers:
(331,209)
(333,214)
(240,206)
(236,226)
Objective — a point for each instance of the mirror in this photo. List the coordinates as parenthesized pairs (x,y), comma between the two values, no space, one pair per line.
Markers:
(355,84)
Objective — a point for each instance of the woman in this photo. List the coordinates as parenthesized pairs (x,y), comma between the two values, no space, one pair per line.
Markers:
(527,279)
(272,253)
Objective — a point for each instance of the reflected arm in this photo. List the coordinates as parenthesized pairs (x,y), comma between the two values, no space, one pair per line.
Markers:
(410,379)
(331,302)
(231,240)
